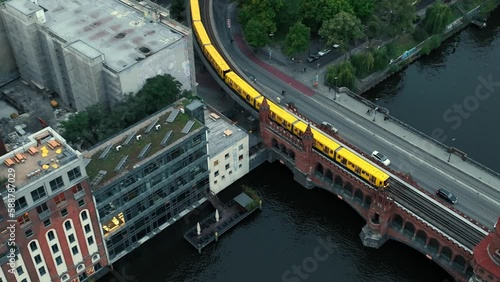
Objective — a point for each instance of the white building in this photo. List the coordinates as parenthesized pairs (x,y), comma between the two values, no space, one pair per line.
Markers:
(95,51)
(227,149)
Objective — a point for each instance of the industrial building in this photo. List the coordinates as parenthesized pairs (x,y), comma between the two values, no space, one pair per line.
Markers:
(95,51)
(148,176)
(228,148)
(48,216)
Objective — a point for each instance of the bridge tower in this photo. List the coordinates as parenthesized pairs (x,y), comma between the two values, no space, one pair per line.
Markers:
(374,232)
(487,257)
(305,160)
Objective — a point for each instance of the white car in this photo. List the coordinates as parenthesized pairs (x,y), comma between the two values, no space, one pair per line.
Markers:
(324,52)
(383,159)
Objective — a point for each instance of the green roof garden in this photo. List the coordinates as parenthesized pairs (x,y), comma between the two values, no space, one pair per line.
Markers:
(107,157)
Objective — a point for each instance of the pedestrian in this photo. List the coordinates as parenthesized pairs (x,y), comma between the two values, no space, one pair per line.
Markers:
(329,89)
(367,111)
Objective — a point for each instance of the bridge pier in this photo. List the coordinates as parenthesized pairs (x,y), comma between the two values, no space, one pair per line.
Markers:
(372,238)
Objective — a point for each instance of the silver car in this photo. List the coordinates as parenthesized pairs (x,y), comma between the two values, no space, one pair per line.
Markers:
(381,158)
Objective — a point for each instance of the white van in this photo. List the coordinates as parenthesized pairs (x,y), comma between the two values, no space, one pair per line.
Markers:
(329,126)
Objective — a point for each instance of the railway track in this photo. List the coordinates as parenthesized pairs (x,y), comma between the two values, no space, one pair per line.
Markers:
(450,224)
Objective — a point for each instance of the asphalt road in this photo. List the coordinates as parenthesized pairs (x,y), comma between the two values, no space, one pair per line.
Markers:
(476,199)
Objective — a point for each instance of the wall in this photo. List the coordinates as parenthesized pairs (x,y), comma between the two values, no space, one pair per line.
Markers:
(8,67)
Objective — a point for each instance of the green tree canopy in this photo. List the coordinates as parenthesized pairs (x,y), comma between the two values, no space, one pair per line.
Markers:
(399,14)
(381,59)
(342,74)
(342,29)
(363,63)
(363,8)
(256,34)
(316,12)
(297,39)
(262,12)
(177,9)
(437,17)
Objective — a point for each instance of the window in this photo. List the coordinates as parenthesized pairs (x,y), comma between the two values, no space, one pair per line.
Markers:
(65,278)
(67,225)
(60,199)
(38,259)
(240,147)
(33,246)
(240,165)
(215,182)
(29,233)
(64,212)
(216,173)
(80,267)
(59,260)
(223,177)
(71,238)
(38,193)
(56,183)
(90,240)
(21,203)
(84,215)
(55,248)
(41,208)
(226,156)
(41,270)
(77,188)
(50,235)
(95,257)
(47,222)
(230,172)
(24,280)
(74,250)
(240,157)
(227,166)
(74,174)
(216,163)
(20,270)
(81,203)
(24,219)
(87,228)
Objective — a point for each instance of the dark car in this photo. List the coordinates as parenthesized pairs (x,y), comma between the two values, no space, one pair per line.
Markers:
(448,196)
(312,58)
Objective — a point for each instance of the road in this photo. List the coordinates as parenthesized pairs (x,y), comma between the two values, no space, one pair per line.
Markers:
(476,199)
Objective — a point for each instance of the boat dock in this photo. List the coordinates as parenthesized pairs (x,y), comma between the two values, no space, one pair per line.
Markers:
(223,219)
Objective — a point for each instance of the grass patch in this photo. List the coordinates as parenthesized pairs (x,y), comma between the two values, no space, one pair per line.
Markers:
(400,45)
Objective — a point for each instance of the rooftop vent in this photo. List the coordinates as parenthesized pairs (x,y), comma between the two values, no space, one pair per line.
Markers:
(227,132)
(145,50)
(120,35)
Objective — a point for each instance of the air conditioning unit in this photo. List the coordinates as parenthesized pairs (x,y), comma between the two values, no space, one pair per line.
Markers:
(157,127)
(138,137)
(118,148)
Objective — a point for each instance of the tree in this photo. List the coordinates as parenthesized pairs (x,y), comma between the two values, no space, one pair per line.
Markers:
(342,29)
(316,12)
(297,39)
(437,17)
(177,9)
(363,8)
(399,14)
(342,74)
(262,11)
(363,63)
(84,127)
(380,59)
(256,34)
(373,28)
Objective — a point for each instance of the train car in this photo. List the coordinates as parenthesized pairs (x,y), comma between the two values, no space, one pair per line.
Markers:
(362,168)
(244,89)
(195,10)
(216,60)
(281,116)
(201,34)
(325,144)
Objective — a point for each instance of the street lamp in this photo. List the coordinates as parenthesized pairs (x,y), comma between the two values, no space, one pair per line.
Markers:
(270,53)
(451,150)
(335,94)
(375,110)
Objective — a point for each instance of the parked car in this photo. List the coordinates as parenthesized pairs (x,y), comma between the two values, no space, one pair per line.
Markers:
(335,46)
(324,52)
(312,58)
(448,196)
(381,158)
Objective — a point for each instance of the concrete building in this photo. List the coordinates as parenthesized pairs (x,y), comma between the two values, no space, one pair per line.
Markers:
(95,51)
(228,149)
(147,177)
(48,214)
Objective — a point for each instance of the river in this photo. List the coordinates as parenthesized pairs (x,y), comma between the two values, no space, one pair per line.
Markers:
(295,223)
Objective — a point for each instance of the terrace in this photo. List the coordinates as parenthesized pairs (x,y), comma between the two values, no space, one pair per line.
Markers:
(44,152)
(137,144)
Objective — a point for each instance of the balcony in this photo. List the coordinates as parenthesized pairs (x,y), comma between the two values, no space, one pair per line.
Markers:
(44,215)
(79,194)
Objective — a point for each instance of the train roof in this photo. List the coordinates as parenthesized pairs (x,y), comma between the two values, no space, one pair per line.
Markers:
(221,63)
(323,139)
(195,10)
(364,165)
(202,33)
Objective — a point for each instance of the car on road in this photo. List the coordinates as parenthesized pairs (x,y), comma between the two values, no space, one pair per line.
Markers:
(324,52)
(448,196)
(381,158)
(312,58)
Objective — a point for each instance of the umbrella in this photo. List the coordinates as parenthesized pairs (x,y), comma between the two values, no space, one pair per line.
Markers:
(198,229)
(217,215)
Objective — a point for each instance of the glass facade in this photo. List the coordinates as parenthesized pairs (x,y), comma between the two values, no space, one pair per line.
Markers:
(150,195)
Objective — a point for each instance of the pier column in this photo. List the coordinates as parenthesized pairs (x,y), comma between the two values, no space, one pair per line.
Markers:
(374,232)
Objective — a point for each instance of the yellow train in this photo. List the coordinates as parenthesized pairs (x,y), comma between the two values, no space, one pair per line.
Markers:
(322,142)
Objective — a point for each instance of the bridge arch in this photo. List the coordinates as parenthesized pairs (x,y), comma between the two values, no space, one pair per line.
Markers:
(339,181)
(283,148)
(348,189)
(446,253)
(329,175)
(421,237)
(358,195)
(319,169)
(291,154)
(368,200)
(274,143)
(397,221)
(459,262)
(375,218)
(409,229)
(433,245)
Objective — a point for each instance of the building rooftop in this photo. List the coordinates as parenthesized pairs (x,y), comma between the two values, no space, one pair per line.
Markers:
(222,133)
(121,33)
(126,150)
(43,152)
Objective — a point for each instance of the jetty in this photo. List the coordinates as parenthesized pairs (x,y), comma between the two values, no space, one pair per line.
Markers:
(224,218)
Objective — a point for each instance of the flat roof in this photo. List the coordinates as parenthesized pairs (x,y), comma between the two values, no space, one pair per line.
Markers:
(222,133)
(44,151)
(25,7)
(106,164)
(120,32)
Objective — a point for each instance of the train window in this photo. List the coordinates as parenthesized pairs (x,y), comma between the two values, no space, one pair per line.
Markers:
(248,98)
(357,169)
(343,161)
